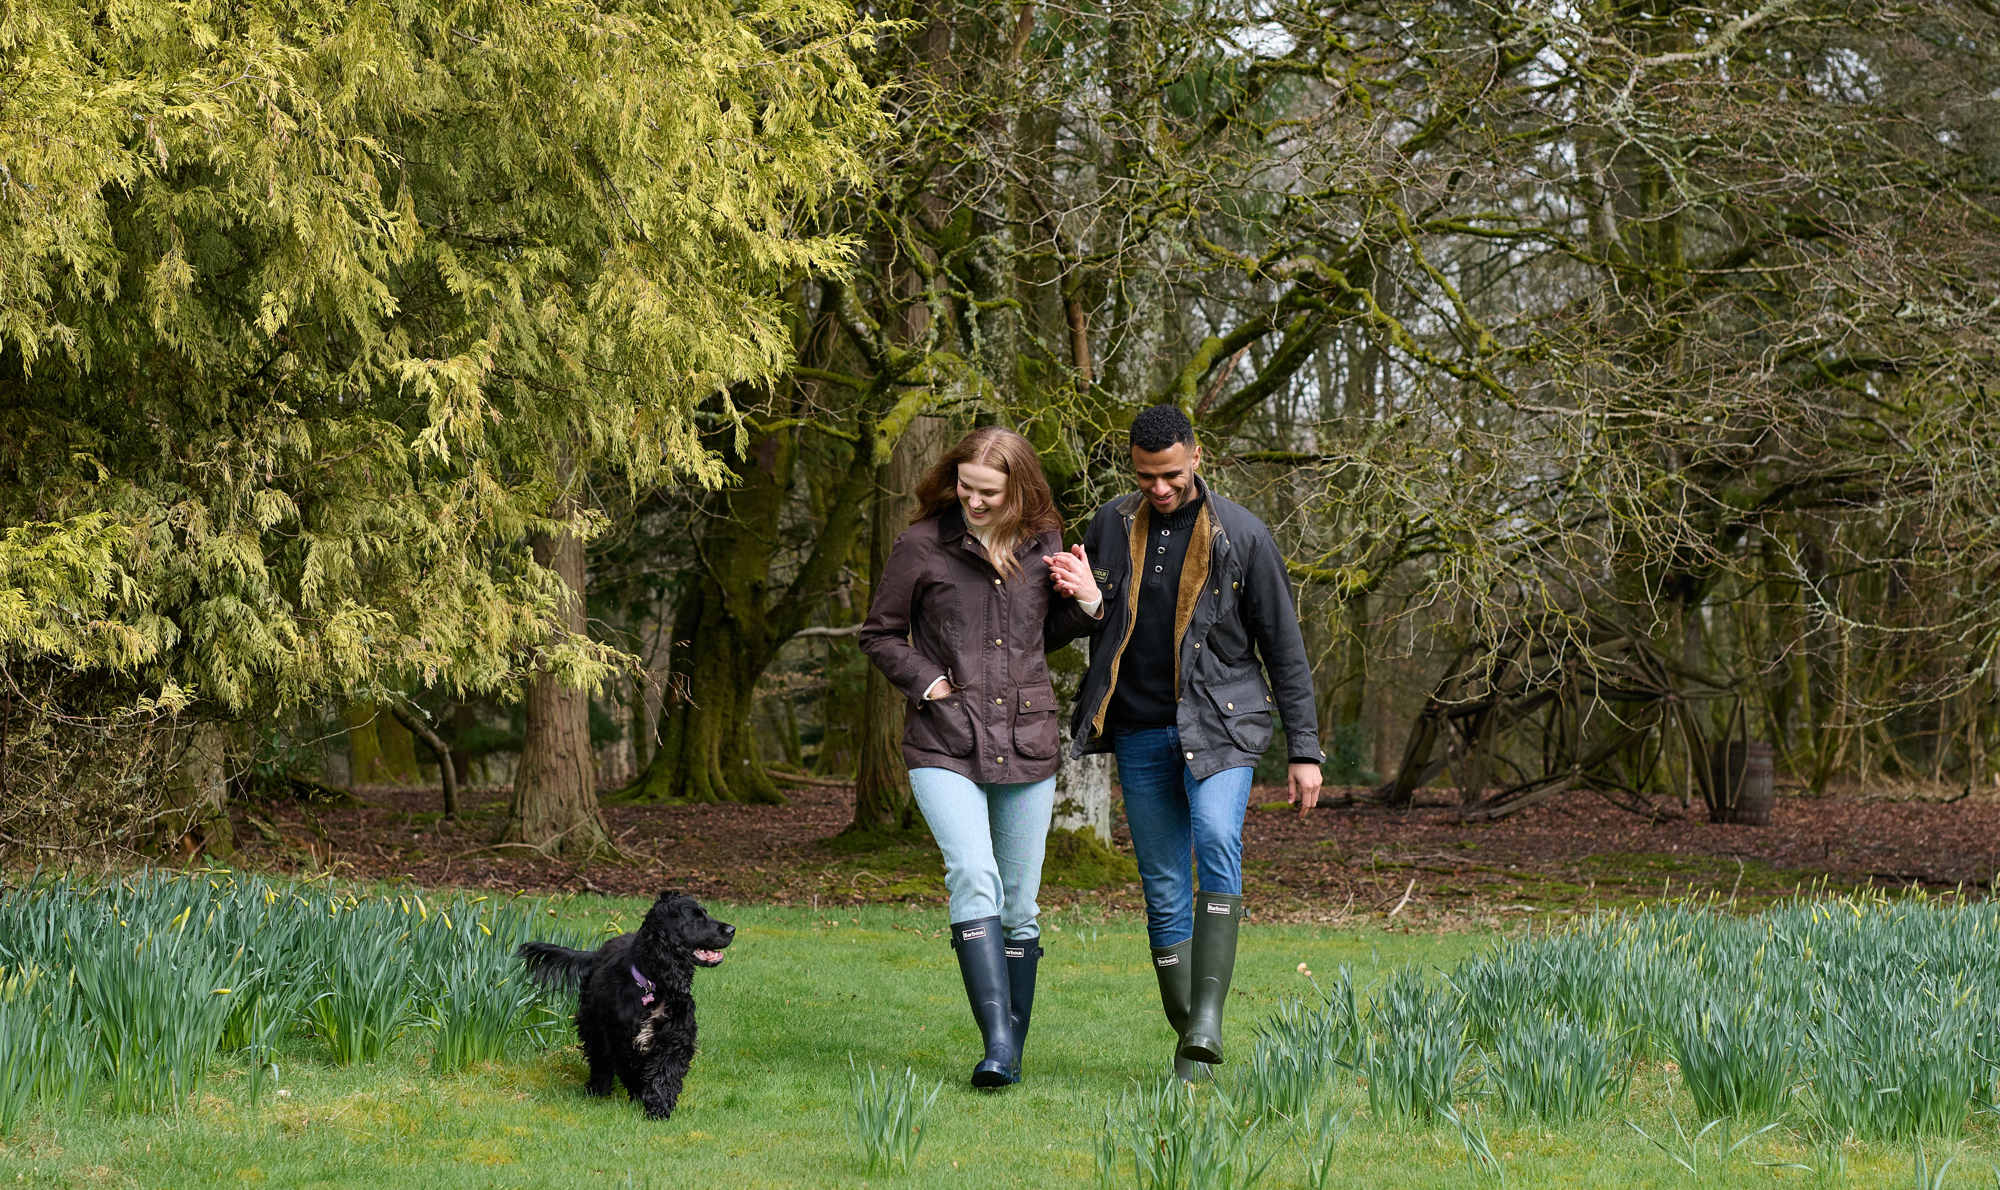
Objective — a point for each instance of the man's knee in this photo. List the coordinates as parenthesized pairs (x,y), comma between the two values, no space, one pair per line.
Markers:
(1218,840)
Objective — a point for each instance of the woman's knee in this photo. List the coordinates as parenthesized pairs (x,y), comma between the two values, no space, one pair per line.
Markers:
(975,885)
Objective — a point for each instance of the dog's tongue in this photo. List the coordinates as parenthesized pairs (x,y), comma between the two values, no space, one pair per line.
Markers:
(709,956)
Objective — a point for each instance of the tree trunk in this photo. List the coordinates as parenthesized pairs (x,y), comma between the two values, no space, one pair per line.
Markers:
(1083,795)
(730,623)
(554,808)
(447,768)
(464,719)
(639,722)
(708,750)
(197,819)
(381,751)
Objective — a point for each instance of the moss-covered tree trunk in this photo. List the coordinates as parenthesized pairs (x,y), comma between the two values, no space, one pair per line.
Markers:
(730,622)
(380,750)
(554,807)
(708,749)
(722,643)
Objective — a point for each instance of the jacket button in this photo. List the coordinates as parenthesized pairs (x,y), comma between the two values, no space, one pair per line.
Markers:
(1217,592)
(1189,755)
(1229,705)
(999,760)
(997,640)
(996,582)
(1232,586)
(1267,698)
(999,702)
(1197,644)
(1026,703)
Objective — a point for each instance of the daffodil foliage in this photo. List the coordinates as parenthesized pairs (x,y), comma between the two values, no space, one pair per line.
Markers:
(311,312)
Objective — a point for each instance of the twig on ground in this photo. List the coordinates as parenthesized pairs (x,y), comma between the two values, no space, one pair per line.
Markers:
(1407,889)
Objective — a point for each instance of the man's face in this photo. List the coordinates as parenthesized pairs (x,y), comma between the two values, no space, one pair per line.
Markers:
(1166,476)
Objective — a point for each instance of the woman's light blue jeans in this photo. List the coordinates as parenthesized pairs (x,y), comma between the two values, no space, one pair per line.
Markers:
(992,836)
(1178,821)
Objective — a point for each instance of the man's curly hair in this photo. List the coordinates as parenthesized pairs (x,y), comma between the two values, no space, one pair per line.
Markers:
(1160,426)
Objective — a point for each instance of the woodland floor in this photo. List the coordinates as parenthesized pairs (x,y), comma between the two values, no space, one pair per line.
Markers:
(1419,867)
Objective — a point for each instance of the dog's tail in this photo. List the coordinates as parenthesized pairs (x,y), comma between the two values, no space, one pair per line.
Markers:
(556,967)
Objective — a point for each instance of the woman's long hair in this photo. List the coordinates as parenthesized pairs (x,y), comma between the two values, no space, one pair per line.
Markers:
(1029,507)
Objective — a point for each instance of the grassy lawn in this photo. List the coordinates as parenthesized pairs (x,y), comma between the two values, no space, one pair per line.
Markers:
(768,1101)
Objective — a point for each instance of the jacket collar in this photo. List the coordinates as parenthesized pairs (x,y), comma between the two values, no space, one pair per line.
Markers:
(952,530)
(1130,503)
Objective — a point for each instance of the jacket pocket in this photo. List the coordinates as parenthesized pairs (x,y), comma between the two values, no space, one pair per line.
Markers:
(1245,707)
(940,725)
(1036,734)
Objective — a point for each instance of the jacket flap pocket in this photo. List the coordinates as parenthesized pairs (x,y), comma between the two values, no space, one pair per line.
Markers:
(1241,696)
(1029,699)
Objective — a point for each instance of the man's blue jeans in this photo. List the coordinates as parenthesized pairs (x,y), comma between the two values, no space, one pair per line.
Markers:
(1179,822)
(993,837)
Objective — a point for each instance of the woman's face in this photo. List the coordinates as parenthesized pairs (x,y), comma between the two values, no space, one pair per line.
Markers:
(982,493)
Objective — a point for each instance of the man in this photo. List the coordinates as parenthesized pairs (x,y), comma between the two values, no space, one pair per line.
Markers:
(1194,595)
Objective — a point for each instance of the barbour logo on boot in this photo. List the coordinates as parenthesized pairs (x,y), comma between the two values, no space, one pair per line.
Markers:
(1167,960)
(1218,907)
(1017,952)
(969,935)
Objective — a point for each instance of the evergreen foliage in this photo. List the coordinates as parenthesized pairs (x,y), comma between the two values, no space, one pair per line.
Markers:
(309,315)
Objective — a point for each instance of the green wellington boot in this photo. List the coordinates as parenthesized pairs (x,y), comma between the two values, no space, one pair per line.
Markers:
(1023,956)
(982,963)
(1171,964)
(1216,916)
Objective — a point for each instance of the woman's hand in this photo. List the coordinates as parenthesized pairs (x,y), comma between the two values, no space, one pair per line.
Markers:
(1070,572)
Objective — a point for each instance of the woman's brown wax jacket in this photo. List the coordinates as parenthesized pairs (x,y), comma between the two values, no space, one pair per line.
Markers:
(941,609)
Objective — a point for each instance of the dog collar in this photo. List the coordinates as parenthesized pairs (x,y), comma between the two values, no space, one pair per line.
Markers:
(643,982)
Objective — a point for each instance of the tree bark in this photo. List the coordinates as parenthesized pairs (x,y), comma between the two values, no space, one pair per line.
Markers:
(1083,795)
(554,807)
(197,819)
(708,752)
(380,750)
(722,642)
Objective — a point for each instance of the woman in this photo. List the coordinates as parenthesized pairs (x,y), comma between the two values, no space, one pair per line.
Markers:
(958,625)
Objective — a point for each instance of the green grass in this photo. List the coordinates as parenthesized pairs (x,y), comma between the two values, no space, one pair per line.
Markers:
(803,993)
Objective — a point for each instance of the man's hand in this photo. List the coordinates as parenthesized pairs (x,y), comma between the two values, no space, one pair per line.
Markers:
(1303,783)
(1070,572)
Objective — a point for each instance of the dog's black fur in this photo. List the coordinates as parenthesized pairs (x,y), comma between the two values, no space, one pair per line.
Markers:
(646,1046)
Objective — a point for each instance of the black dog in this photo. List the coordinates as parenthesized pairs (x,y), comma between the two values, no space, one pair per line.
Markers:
(635,1007)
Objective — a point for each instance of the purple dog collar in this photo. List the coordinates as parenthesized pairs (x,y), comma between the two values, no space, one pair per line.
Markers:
(643,982)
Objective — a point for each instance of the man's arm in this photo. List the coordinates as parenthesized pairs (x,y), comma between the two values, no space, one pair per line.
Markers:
(1273,621)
